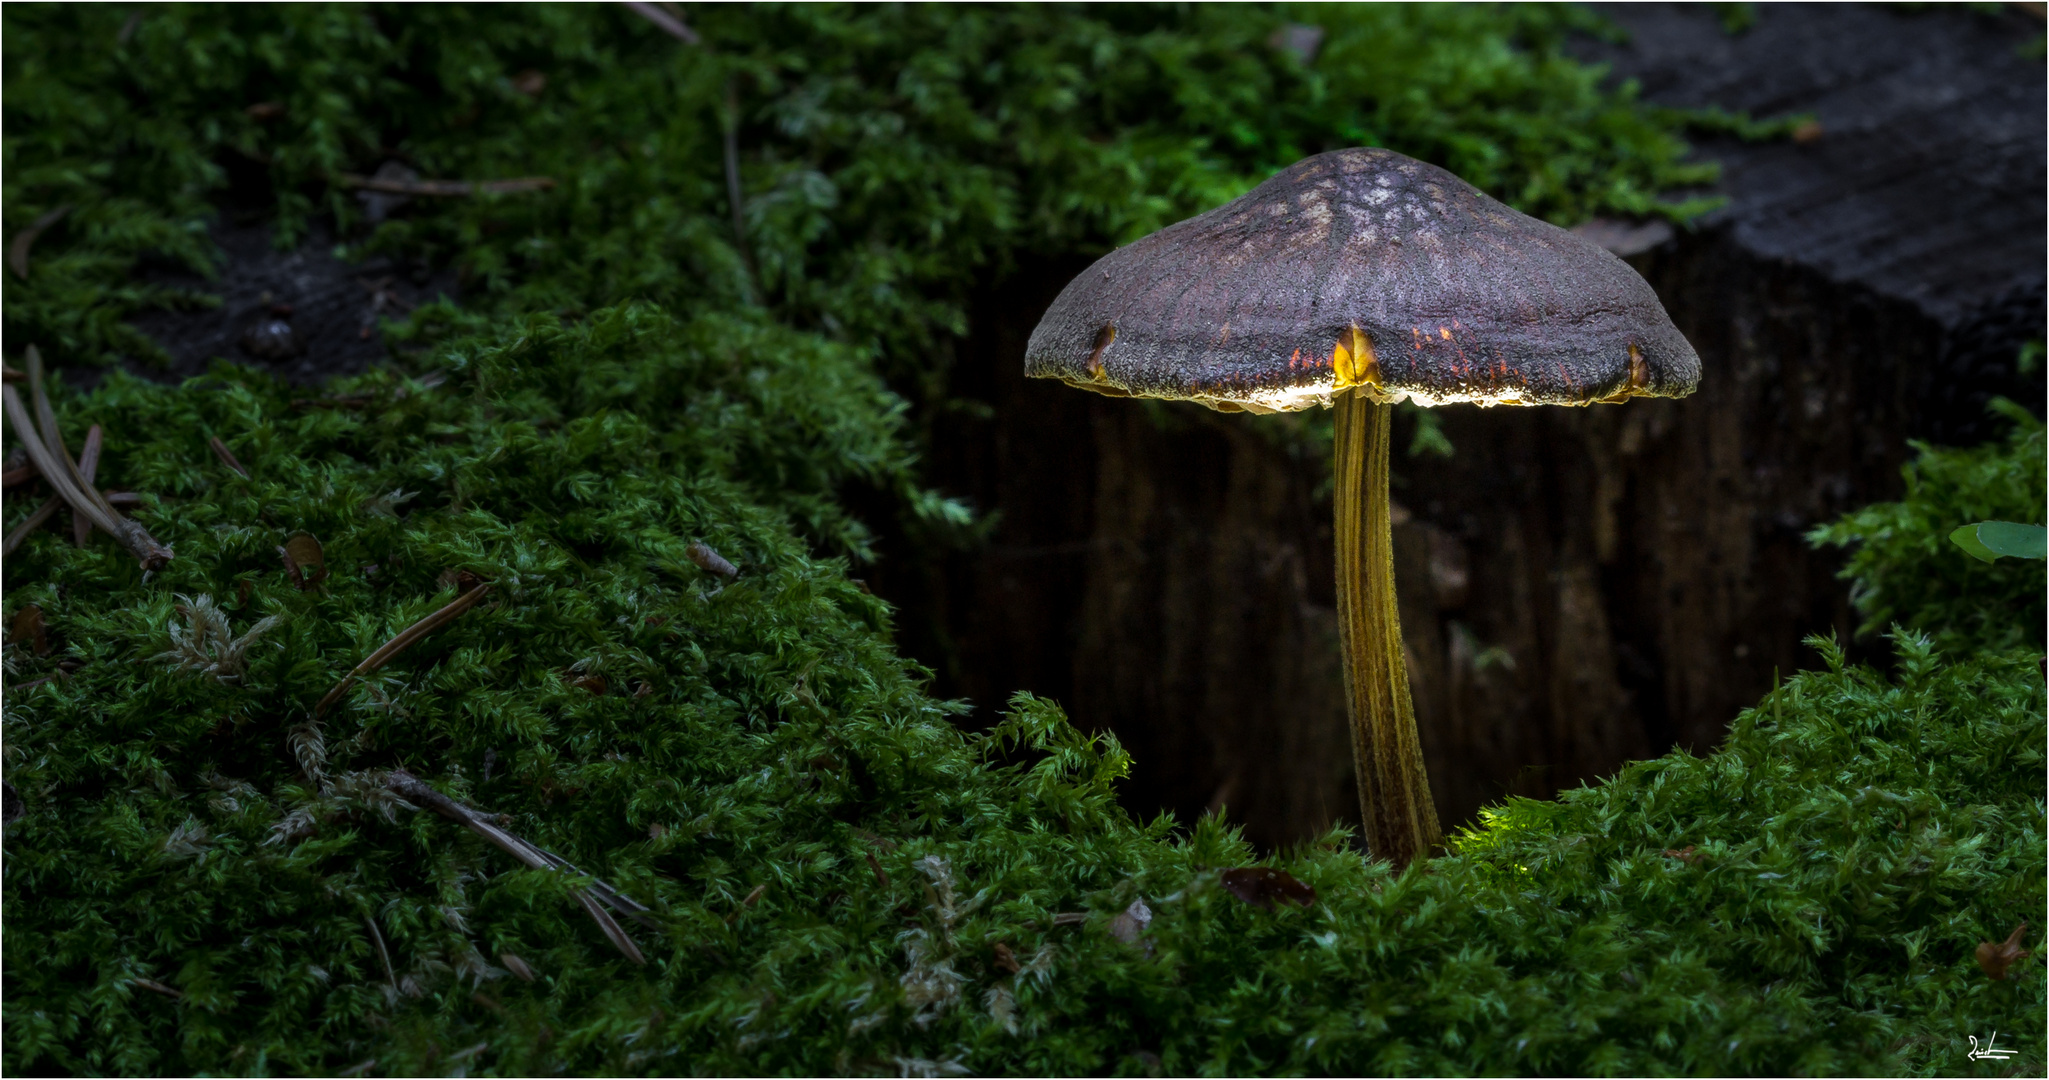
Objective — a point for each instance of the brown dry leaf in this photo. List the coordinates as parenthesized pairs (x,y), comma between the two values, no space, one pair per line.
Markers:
(1995,959)
(642,688)
(1006,961)
(305,562)
(28,630)
(1262,886)
(593,683)
(1686,854)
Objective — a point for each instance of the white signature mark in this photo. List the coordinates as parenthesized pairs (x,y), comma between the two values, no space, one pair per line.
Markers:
(1990,1051)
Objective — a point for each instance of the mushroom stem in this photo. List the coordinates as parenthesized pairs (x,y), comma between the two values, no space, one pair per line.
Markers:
(1399,817)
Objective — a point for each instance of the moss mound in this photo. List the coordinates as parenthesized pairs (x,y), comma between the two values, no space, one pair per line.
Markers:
(212,874)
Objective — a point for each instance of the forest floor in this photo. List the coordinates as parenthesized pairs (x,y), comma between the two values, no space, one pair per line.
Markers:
(510,706)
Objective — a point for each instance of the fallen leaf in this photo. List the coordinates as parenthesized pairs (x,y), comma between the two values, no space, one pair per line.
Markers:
(305,562)
(1686,854)
(1261,886)
(28,630)
(1995,959)
(1006,961)
(593,683)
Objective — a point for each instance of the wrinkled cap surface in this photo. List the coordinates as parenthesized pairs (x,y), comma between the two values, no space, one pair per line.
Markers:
(1363,268)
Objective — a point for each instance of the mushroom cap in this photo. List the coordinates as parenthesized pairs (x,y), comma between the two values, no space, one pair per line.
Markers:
(1363,268)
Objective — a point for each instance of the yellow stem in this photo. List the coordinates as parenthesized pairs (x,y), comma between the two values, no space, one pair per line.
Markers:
(1394,791)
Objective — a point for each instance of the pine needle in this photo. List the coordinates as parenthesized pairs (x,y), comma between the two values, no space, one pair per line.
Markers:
(411,788)
(46,448)
(398,644)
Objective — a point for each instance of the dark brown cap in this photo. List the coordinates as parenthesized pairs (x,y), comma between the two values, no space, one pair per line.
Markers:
(1363,268)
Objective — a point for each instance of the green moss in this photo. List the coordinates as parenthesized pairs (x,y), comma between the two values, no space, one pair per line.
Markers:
(831,858)
(1904,567)
(1856,838)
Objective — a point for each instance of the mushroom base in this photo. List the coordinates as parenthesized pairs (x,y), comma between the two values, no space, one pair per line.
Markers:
(1400,820)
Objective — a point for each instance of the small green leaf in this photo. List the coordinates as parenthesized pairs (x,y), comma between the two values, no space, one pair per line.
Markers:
(1988,540)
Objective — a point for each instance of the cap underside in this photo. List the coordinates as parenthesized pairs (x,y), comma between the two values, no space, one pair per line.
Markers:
(1363,269)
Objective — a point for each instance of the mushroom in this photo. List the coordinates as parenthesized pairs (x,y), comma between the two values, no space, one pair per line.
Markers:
(1356,279)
